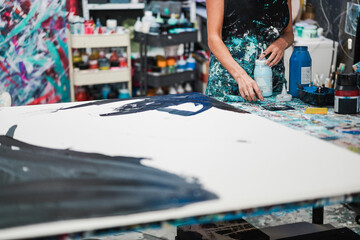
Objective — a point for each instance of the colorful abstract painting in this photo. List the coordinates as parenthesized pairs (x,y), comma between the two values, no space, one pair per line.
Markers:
(33,51)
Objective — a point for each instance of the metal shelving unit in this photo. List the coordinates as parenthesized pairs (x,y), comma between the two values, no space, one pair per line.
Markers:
(158,40)
(86,6)
(92,77)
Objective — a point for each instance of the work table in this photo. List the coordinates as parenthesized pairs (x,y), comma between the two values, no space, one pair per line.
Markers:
(172,159)
(341,130)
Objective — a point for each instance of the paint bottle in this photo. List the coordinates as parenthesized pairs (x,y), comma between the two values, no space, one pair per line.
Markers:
(111,25)
(181,64)
(182,19)
(161,63)
(188,88)
(158,19)
(300,69)
(123,60)
(154,28)
(347,94)
(170,61)
(89,27)
(105,91)
(180,89)
(146,21)
(81,94)
(159,91)
(172,20)
(114,62)
(190,63)
(124,93)
(104,63)
(263,77)
(93,61)
(98,27)
(76,58)
(172,90)
(138,25)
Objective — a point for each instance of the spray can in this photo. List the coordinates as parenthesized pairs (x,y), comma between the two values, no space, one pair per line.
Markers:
(347,94)
(300,69)
(263,77)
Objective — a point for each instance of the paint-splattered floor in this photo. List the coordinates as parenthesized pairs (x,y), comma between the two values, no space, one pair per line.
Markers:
(339,216)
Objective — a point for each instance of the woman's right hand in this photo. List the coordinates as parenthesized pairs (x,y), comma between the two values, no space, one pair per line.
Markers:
(248,88)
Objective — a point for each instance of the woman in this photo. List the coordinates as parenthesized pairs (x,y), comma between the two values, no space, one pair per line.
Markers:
(238,32)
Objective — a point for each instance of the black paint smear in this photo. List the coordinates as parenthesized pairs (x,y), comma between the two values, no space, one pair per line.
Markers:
(11,131)
(39,185)
(163,103)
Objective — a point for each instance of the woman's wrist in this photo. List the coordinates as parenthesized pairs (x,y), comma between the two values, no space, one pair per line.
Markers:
(283,43)
(238,75)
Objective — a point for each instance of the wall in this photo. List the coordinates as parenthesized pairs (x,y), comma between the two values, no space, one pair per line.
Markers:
(33,51)
(332,9)
(335,11)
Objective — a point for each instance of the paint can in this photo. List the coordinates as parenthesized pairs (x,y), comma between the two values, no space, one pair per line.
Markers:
(263,77)
(347,94)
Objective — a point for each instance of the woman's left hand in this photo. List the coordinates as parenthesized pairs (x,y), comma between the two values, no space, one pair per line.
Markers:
(276,51)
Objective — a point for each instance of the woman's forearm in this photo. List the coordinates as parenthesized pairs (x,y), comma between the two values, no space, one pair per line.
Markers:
(248,88)
(288,38)
(223,55)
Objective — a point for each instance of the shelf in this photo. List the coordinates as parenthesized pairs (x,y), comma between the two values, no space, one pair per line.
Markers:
(116,6)
(162,80)
(162,40)
(100,41)
(92,77)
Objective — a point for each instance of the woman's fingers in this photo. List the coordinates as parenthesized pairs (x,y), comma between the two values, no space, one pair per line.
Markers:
(276,51)
(250,93)
(245,95)
(271,58)
(258,92)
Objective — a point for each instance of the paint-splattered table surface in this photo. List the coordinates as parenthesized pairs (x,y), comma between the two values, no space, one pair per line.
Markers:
(341,130)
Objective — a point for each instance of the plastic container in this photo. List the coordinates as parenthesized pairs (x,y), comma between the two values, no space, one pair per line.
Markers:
(263,77)
(181,64)
(158,19)
(138,25)
(103,62)
(317,96)
(190,63)
(147,20)
(300,69)
(105,91)
(124,93)
(299,28)
(172,20)
(310,31)
(347,94)
(111,25)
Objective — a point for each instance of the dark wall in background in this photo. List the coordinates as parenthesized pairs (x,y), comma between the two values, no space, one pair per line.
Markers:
(333,9)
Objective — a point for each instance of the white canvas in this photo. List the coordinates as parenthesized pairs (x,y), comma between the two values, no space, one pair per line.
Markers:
(246,160)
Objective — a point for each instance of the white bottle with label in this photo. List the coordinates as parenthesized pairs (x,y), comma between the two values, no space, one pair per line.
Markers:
(263,77)
(147,20)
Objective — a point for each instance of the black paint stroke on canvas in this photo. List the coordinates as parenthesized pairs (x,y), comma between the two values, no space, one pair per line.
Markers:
(164,104)
(44,185)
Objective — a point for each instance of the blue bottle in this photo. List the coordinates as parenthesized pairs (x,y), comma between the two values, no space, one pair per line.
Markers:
(263,77)
(300,69)
(105,91)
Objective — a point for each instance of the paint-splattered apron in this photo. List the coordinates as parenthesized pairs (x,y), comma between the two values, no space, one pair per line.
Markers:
(248,28)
